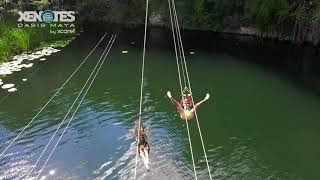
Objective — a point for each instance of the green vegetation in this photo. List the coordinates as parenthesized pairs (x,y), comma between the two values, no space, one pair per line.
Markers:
(266,12)
(284,18)
(210,13)
(204,16)
(15,40)
(316,13)
(5,50)
(20,39)
(127,12)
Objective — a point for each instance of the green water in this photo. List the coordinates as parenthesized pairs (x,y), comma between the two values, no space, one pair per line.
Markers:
(258,123)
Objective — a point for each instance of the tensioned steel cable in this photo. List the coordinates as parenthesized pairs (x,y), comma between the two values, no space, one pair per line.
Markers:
(178,65)
(175,47)
(89,86)
(72,74)
(180,52)
(142,85)
(189,84)
(65,117)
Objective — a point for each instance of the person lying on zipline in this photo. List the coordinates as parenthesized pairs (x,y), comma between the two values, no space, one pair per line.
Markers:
(185,107)
(144,148)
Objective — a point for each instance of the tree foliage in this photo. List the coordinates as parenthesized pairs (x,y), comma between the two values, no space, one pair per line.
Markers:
(265,12)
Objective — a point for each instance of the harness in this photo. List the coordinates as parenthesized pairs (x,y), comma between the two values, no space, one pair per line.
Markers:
(186,100)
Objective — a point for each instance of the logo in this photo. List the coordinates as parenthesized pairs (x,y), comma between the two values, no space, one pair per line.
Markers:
(59,22)
(47,16)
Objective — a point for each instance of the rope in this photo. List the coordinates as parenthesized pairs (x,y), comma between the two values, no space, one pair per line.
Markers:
(189,84)
(142,84)
(175,46)
(181,58)
(65,117)
(89,86)
(52,97)
(187,125)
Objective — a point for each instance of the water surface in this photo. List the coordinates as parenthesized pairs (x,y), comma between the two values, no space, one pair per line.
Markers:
(258,124)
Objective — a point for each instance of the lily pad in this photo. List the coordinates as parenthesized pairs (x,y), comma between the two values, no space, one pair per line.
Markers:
(28,65)
(7,86)
(12,90)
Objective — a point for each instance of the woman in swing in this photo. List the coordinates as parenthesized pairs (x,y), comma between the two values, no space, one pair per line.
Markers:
(144,148)
(185,107)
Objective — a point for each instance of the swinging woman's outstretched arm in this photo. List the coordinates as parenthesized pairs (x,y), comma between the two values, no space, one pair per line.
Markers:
(170,96)
(175,101)
(205,99)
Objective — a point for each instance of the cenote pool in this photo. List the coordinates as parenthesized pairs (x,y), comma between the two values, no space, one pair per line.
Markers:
(262,121)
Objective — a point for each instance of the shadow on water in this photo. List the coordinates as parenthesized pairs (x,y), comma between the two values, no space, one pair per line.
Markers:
(298,63)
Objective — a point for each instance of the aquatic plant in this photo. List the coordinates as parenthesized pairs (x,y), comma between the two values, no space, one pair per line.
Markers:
(20,39)
(16,40)
(38,36)
(5,50)
(3,29)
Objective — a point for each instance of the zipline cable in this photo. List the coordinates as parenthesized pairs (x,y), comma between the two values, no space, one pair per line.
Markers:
(180,53)
(65,117)
(85,93)
(52,96)
(187,125)
(189,84)
(175,46)
(142,84)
